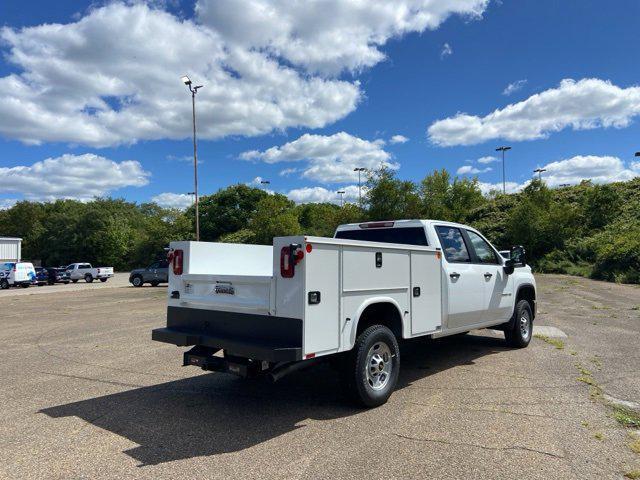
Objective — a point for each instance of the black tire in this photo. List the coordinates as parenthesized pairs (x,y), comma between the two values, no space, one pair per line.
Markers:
(518,334)
(88,278)
(155,284)
(25,285)
(75,281)
(103,280)
(137,281)
(67,282)
(361,373)
(4,284)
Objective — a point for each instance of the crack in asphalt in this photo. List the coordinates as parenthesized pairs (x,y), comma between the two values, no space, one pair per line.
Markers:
(477,445)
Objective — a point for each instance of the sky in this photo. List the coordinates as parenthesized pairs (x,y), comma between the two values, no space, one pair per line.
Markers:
(301,93)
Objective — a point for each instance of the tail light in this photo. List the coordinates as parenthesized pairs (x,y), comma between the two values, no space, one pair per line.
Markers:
(176,260)
(289,257)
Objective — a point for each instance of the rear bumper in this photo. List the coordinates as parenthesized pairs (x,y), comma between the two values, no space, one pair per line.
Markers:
(259,337)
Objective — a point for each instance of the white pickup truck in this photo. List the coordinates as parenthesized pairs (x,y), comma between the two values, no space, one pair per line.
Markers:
(78,271)
(272,310)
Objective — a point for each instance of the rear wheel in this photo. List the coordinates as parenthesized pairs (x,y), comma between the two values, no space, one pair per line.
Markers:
(518,335)
(25,285)
(88,278)
(372,367)
(103,280)
(137,281)
(155,284)
(4,284)
(75,281)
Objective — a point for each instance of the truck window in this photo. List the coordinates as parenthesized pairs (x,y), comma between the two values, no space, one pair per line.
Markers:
(407,236)
(455,250)
(483,250)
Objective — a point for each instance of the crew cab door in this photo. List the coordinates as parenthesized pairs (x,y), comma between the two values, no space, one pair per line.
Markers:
(498,286)
(465,281)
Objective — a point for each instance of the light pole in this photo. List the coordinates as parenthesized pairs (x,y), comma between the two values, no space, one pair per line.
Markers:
(193,194)
(341,193)
(503,149)
(359,170)
(539,172)
(193,91)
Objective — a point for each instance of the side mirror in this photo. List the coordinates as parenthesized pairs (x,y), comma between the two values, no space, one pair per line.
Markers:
(518,256)
(509,266)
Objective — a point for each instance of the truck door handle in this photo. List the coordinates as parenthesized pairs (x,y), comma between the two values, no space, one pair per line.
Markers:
(454,275)
(488,275)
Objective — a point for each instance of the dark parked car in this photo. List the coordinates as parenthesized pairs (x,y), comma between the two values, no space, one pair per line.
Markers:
(156,273)
(42,276)
(58,275)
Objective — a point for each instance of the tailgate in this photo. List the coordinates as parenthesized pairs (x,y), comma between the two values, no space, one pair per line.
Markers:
(241,293)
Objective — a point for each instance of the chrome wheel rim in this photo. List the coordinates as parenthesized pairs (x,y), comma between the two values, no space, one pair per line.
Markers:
(524,326)
(136,281)
(379,365)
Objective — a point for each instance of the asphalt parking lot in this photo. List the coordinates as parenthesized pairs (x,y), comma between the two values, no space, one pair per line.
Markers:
(87,394)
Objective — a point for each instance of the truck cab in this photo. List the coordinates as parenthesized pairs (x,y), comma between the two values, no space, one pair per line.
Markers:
(274,309)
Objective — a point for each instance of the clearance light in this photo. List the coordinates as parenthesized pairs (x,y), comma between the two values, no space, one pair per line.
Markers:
(377,225)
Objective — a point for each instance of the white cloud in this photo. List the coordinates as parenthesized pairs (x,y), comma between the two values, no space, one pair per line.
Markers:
(398,139)
(113,76)
(287,171)
(605,169)
(6,203)
(72,176)
(328,36)
(446,51)
(487,160)
(181,201)
(330,159)
(471,170)
(585,104)
(598,169)
(320,194)
(514,87)
(184,159)
(510,187)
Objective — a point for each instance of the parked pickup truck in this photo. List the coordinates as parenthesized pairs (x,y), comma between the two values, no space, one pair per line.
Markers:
(352,298)
(85,271)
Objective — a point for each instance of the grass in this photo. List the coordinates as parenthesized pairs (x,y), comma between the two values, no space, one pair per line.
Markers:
(635,446)
(633,475)
(559,344)
(600,307)
(598,436)
(586,379)
(635,307)
(626,417)
(583,371)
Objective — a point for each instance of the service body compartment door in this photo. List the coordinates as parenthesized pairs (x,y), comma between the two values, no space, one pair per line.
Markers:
(426,292)
(322,299)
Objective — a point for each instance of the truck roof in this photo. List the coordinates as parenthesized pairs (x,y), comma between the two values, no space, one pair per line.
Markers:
(396,224)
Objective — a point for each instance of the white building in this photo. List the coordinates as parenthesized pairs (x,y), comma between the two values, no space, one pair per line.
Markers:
(10,249)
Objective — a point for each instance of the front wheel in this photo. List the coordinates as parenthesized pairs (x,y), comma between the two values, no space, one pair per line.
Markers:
(372,367)
(4,284)
(155,283)
(75,280)
(88,278)
(518,335)
(103,280)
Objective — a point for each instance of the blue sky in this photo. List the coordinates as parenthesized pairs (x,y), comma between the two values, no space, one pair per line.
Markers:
(582,129)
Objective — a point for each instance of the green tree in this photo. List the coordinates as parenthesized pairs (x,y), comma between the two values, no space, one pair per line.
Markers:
(389,198)
(446,200)
(227,211)
(275,217)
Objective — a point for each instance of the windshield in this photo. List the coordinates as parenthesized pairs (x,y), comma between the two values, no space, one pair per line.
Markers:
(407,236)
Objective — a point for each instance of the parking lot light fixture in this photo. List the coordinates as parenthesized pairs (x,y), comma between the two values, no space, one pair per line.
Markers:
(359,170)
(503,149)
(637,154)
(539,172)
(341,193)
(187,81)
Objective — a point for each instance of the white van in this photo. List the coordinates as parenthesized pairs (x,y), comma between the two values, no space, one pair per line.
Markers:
(17,273)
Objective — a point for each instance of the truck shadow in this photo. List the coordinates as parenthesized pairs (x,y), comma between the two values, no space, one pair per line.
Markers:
(211,414)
